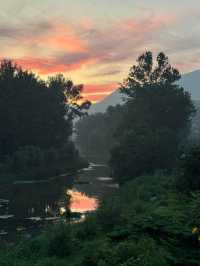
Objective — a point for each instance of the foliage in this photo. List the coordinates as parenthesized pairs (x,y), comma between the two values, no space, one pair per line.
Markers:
(35,116)
(188,171)
(145,223)
(143,152)
(155,121)
(31,162)
(95,133)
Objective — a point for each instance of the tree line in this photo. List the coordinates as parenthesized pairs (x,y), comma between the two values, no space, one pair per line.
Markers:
(151,129)
(36,122)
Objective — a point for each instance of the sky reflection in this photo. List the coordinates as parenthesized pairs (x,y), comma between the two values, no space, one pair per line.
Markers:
(80,202)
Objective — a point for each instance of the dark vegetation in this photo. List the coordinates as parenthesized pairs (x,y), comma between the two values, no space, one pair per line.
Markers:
(146,223)
(36,123)
(95,133)
(147,132)
(154,219)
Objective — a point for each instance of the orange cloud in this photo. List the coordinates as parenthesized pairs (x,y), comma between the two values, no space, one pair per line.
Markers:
(65,47)
(46,66)
(97,92)
(65,37)
(94,88)
(96,98)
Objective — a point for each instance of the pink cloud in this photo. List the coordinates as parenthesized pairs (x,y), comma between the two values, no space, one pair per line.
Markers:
(97,92)
(72,46)
(46,66)
(93,88)
(64,36)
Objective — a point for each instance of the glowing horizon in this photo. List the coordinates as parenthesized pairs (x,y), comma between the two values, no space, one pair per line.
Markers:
(94,44)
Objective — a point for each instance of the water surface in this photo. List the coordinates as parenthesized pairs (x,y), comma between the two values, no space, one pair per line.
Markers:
(27,206)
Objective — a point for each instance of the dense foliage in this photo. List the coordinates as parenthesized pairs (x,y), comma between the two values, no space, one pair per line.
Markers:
(156,119)
(146,223)
(95,133)
(195,129)
(188,170)
(148,130)
(35,116)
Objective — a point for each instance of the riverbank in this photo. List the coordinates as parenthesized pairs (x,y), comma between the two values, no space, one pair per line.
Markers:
(42,175)
(29,206)
(146,222)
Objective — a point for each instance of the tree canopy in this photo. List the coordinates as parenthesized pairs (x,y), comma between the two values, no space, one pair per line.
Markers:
(36,118)
(157,113)
(33,111)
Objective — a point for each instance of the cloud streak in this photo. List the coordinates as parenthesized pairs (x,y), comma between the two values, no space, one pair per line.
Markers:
(99,50)
(69,47)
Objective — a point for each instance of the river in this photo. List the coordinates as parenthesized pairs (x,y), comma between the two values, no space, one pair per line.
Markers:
(27,206)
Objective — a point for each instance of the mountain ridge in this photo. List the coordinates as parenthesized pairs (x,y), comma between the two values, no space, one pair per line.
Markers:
(189,81)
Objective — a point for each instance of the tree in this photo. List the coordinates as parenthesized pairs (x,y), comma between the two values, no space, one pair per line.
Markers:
(157,110)
(95,133)
(36,113)
(188,170)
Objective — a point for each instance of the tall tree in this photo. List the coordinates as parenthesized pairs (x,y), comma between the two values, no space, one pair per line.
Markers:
(157,110)
(34,112)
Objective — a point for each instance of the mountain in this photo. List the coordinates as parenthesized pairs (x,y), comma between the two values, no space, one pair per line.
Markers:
(113,99)
(189,81)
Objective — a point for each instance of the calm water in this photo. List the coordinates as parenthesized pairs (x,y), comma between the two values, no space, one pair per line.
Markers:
(25,207)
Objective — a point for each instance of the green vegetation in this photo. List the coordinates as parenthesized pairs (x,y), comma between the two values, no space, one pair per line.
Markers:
(31,162)
(146,223)
(156,119)
(36,123)
(148,131)
(188,170)
(95,133)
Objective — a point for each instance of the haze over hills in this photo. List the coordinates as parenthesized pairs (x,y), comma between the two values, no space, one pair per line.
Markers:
(190,81)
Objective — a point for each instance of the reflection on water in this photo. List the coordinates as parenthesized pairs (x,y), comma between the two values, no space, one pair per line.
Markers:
(80,202)
(104,178)
(27,206)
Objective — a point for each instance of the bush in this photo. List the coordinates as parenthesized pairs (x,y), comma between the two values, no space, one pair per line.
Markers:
(188,170)
(58,241)
(30,162)
(143,151)
(26,158)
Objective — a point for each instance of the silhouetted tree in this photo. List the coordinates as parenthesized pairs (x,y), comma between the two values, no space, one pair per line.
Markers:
(156,115)
(95,133)
(34,112)
(188,170)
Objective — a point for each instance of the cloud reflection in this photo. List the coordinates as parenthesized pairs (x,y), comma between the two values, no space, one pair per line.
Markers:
(80,202)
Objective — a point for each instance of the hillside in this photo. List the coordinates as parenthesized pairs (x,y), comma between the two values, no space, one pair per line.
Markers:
(111,100)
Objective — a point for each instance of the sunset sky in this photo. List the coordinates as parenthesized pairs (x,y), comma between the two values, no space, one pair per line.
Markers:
(95,42)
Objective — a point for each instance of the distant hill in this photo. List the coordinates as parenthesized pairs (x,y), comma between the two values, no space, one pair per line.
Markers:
(190,81)
(111,100)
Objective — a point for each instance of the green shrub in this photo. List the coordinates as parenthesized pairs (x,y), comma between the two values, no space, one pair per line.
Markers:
(188,172)
(59,241)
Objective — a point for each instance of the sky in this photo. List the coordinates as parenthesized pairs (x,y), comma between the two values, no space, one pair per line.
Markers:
(95,42)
